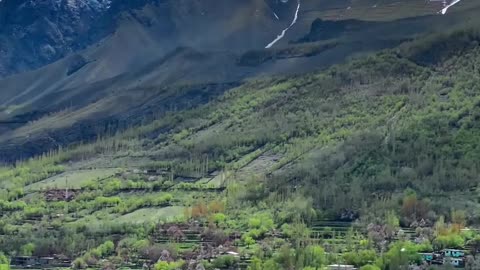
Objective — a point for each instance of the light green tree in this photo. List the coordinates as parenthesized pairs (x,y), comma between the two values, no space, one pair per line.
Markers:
(4,262)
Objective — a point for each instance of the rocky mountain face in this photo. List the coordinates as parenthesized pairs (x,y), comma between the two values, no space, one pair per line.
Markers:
(37,32)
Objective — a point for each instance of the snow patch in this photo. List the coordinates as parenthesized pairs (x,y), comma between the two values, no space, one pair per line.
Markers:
(279,37)
(445,9)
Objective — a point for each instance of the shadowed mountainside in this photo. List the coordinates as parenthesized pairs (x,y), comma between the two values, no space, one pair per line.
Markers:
(142,68)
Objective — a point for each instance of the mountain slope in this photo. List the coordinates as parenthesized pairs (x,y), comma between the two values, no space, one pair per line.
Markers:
(362,140)
(141,59)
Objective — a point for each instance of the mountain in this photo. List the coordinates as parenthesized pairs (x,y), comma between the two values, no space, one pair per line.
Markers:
(260,135)
(128,53)
(35,33)
(390,140)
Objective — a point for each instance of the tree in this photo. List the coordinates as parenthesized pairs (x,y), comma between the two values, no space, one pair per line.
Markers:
(315,257)
(225,262)
(401,254)
(4,262)
(163,265)
(451,240)
(370,267)
(248,240)
(200,210)
(27,249)
(360,258)
(270,265)
(216,207)
(219,218)
(414,209)
(79,263)
(106,248)
(255,264)
(459,219)
(474,245)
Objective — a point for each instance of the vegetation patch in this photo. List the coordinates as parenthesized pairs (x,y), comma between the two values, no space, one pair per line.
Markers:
(166,214)
(72,179)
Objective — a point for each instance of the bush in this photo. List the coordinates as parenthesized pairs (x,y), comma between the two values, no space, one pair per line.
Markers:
(106,248)
(79,263)
(27,249)
(449,241)
(4,262)
(226,261)
(369,267)
(162,265)
(360,258)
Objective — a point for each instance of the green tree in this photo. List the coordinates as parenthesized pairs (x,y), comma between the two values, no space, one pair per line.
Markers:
(27,249)
(401,254)
(255,264)
(270,264)
(163,265)
(360,258)
(248,240)
(79,263)
(219,218)
(370,267)
(4,262)
(315,257)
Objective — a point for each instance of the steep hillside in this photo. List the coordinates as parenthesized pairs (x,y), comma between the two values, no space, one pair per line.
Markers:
(142,59)
(37,33)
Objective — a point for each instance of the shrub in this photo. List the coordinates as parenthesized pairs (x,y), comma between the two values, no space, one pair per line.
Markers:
(79,263)
(449,241)
(4,262)
(360,258)
(369,267)
(226,261)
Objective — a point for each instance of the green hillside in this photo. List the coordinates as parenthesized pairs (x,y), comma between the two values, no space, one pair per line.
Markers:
(385,141)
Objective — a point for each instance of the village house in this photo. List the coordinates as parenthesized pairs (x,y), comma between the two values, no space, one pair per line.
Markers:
(453,253)
(341,267)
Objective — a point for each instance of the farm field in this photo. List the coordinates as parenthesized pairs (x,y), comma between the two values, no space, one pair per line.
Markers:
(72,179)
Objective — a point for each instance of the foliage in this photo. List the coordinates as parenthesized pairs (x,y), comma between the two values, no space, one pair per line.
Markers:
(402,253)
(163,265)
(4,262)
(360,258)
(369,267)
(225,262)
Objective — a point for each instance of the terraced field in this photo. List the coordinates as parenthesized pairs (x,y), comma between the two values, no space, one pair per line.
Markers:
(165,214)
(72,179)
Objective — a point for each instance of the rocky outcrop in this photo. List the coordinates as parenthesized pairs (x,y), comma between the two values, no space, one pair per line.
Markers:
(38,32)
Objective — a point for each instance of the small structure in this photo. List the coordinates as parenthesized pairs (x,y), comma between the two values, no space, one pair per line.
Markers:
(457,262)
(233,253)
(427,257)
(55,195)
(40,262)
(453,253)
(26,261)
(341,267)
(47,261)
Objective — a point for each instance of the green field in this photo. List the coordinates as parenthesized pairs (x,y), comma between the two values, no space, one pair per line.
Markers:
(166,214)
(72,179)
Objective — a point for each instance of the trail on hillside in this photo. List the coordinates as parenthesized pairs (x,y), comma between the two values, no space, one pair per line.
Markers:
(279,37)
(445,9)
